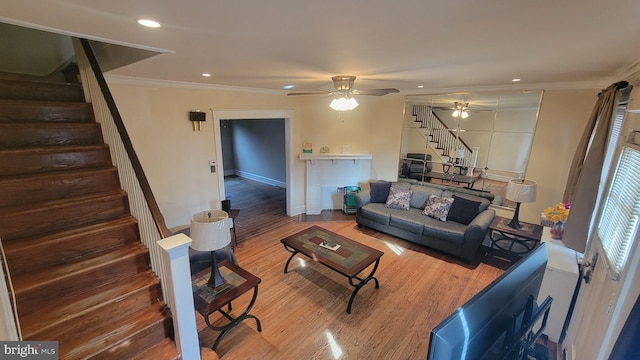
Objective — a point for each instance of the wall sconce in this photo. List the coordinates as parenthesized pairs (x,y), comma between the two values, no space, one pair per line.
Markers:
(196,118)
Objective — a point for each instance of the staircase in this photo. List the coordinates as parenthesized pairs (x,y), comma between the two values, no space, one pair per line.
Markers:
(80,274)
(439,137)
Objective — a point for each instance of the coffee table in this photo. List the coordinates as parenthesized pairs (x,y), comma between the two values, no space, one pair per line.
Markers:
(350,259)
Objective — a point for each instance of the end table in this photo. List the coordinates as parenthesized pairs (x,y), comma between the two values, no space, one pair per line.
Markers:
(208,300)
(514,242)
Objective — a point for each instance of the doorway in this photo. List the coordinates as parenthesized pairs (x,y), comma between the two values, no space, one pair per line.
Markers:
(253,150)
(286,116)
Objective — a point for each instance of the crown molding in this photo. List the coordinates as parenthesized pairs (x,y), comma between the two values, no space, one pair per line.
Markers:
(520,87)
(185,84)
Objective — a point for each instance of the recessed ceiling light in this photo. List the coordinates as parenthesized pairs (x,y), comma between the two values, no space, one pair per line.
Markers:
(149,23)
(515,80)
(206,74)
(420,86)
(288,86)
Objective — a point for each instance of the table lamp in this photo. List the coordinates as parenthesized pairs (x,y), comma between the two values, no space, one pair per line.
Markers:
(210,232)
(519,191)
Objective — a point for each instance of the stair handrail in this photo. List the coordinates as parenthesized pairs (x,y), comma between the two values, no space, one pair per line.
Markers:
(142,203)
(126,140)
(440,132)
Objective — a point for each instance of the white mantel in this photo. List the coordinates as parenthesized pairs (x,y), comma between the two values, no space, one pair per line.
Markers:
(331,156)
(328,173)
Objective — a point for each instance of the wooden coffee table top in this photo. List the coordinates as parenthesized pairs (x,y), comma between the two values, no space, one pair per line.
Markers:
(349,260)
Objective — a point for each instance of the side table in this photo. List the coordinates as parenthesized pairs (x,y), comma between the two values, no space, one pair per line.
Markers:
(208,300)
(513,242)
(233,214)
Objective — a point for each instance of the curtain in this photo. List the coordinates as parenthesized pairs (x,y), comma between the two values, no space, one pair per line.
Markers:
(584,175)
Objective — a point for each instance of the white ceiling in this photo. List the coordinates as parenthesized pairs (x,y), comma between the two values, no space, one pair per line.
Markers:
(442,45)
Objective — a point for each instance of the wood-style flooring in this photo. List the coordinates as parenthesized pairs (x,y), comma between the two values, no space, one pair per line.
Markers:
(303,313)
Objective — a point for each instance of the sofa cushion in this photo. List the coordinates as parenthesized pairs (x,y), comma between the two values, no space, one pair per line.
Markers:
(379,191)
(398,199)
(437,207)
(411,220)
(484,203)
(421,194)
(449,230)
(376,212)
(463,210)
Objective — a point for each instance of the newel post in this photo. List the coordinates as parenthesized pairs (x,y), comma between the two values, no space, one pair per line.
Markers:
(176,265)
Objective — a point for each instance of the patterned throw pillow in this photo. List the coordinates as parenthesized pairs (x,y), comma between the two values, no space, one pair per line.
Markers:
(398,199)
(437,207)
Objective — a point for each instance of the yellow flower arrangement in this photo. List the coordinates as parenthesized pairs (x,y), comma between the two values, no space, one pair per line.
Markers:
(557,213)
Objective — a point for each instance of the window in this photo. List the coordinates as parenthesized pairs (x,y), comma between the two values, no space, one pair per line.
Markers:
(619,220)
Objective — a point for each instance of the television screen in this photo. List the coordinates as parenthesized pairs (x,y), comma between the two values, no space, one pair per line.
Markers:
(475,329)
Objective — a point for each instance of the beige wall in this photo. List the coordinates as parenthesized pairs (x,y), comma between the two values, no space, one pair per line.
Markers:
(561,120)
(175,158)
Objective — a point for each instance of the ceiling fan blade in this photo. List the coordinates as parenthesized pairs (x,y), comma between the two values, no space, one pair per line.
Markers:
(319,92)
(376,92)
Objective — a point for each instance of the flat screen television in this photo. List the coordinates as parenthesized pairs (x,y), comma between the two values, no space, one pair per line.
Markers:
(478,329)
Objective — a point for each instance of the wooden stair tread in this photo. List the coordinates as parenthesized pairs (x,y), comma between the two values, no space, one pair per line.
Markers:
(164,350)
(29,254)
(36,188)
(55,204)
(33,242)
(26,89)
(57,174)
(24,283)
(25,111)
(93,343)
(61,309)
(15,135)
(52,149)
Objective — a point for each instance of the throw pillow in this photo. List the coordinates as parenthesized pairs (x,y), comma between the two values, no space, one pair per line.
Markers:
(379,191)
(398,199)
(463,210)
(437,207)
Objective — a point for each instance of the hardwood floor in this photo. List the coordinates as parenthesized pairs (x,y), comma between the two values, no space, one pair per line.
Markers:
(303,312)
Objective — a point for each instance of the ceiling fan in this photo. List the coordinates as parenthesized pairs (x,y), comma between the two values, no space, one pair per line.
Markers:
(343,95)
(343,85)
(460,109)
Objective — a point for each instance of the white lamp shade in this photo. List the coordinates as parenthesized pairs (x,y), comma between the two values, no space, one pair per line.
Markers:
(521,190)
(210,230)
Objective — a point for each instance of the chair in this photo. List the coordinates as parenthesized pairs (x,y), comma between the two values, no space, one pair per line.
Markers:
(233,213)
(416,165)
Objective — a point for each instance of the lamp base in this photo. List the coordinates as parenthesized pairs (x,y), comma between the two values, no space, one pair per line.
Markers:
(515,224)
(216,279)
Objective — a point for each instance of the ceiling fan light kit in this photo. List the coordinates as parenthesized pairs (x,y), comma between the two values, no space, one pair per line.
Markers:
(460,110)
(344,104)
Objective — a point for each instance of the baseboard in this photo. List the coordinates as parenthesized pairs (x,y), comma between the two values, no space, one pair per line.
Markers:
(260,179)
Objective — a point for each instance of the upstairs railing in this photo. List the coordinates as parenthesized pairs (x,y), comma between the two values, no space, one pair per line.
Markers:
(132,178)
(436,131)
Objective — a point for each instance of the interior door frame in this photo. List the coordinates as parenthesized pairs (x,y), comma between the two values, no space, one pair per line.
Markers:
(287,115)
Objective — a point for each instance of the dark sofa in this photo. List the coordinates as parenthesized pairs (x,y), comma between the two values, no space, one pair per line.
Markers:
(451,237)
